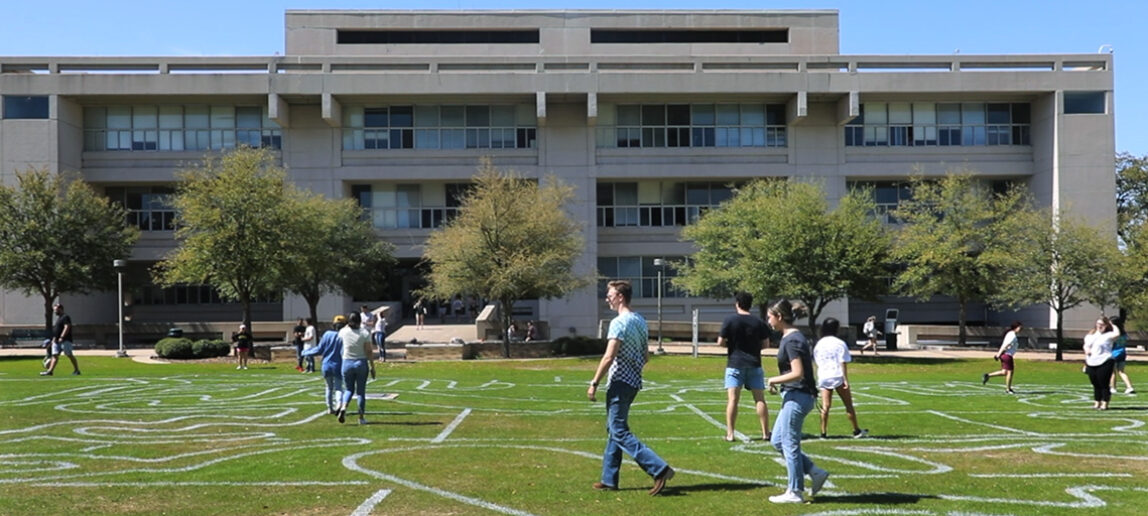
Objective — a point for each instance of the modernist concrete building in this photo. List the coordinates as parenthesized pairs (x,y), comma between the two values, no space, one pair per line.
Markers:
(650,115)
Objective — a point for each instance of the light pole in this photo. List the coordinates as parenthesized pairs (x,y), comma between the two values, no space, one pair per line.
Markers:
(660,264)
(120,265)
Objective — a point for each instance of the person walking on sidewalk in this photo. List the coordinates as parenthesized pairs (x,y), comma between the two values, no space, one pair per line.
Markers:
(627,348)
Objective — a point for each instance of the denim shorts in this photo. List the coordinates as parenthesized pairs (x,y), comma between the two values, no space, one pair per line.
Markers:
(752,378)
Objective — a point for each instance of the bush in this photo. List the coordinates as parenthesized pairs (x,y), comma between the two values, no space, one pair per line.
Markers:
(578,346)
(184,348)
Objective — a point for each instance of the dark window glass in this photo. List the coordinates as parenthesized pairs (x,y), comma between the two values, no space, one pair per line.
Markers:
(375,117)
(999,114)
(605,194)
(678,114)
(775,114)
(408,37)
(1084,102)
(1021,113)
(402,116)
(688,36)
(34,107)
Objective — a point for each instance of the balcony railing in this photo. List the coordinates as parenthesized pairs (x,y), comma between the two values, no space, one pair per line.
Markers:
(152,220)
(661,215)
(411,218)
(922,135)
(179,139)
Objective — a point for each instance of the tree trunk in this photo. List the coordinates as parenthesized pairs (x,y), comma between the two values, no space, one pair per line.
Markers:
(962,334)
(48,314)
(312,307)
(506,314)
(1059,335)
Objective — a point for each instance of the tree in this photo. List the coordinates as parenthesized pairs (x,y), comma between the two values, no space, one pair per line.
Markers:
(511,240)
(234,223)
(58,236)
(955,233)
(1132,231)
(1063,263)
(333,248)
(780,239)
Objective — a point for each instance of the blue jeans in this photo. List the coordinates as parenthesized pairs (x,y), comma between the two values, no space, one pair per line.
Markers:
(619,396)
(380,340)
(334,378)
(795,405)
(355,374)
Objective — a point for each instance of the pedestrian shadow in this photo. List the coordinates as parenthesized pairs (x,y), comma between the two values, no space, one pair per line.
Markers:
(873,498)
(1139,409)
(683,489)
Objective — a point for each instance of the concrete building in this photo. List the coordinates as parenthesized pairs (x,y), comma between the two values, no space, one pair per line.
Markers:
(650,115)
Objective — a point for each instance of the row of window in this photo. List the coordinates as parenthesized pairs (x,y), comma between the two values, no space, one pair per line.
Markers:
(194,127)
(642,274)
(187,295)
(657,203)
(512,126)
(940,124)
(691,125)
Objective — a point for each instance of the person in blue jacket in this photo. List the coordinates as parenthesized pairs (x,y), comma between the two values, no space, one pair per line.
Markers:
(331,348)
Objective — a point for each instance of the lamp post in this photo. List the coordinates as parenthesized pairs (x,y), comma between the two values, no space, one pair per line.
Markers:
(120,265)
(661,265)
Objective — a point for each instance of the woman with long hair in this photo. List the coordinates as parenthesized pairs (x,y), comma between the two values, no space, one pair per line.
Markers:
(1005,355)
(1098,361)
(795,364)
(870,332)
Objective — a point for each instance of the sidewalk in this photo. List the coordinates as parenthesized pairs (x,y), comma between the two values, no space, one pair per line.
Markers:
(143,356)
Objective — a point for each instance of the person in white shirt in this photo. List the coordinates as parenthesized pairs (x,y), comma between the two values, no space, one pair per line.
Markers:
(357,356)
(1005,355)
(831,355)
(1098,361)
(379,335)
(871,334)
(310,340)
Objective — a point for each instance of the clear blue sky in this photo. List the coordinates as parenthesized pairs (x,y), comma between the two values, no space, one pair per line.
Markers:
(255,27)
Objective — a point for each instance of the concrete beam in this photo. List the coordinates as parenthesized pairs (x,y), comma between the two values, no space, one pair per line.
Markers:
(332,111)
(592,109)
(797,108)
(540,103)
(848,107)
(277,110)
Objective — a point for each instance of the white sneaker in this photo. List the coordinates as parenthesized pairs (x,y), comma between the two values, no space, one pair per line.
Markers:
(819,477)
(1129,391)
(1112,390)
(362,421)
(238,367)
(787,497)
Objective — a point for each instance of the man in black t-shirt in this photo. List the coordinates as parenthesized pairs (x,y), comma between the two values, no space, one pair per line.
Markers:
(61,341)
(297,332)
(744,336)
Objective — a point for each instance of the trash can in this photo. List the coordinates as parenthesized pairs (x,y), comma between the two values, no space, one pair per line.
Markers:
(175,332)
(891,316)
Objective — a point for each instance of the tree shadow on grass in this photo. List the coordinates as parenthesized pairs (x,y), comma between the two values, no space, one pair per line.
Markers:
(891,360)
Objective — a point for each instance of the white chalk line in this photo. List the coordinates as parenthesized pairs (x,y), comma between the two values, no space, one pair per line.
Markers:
(369,504)
(298,483)
(450,428)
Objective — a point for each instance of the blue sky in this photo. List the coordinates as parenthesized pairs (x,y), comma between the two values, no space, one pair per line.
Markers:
(255,27)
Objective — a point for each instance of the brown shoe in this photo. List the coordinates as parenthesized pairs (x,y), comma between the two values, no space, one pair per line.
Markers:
(660,480)
(603,487)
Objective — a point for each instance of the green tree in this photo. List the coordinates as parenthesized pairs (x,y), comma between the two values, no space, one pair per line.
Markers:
(58,236)
(955,234)
(1062,263)
(1132,230)
(334,248)
(511,240)
(234,224)
(780,239)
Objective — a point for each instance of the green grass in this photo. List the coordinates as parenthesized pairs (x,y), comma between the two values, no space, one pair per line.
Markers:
(130,438)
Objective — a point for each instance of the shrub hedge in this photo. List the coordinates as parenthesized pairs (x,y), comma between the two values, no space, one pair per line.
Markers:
(578,345)
(183,348)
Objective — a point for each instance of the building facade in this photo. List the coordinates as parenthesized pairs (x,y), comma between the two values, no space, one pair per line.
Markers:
(650,115)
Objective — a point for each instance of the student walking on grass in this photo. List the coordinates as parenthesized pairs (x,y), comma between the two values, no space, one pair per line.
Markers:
(1119,358)
(358,356)
(626,350)
(1005,356)
(1098,361)
(795,363)
(832,357)
(331,348)
(744,336)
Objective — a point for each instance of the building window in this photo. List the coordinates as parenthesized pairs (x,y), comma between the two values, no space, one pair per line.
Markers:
(149,207)
(188,295)
(888,195)
(435,37)
(511,126)
(411,206)
(642,274)
(178,128)
(25,107)
(688,36)
(901,124)
(657,203)
(691,125)
(1084,102)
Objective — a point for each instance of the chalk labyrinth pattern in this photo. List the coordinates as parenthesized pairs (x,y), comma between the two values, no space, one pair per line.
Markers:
(183,410)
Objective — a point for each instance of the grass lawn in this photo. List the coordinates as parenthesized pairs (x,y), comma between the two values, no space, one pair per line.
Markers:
(519,437)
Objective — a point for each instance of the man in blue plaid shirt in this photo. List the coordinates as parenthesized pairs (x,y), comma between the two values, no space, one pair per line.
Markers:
(625,355)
